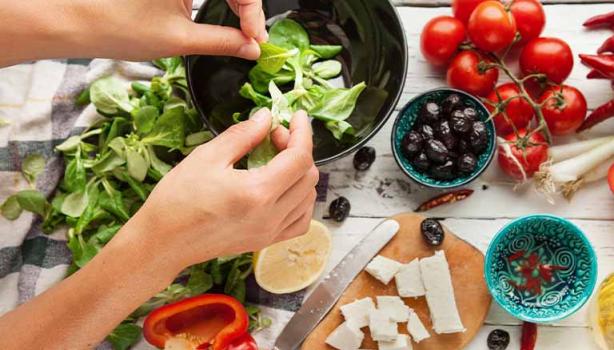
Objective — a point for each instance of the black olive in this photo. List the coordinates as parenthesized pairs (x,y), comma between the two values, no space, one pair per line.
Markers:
(364,158)
(412,144)
(498,340)
(421,162)
(466,163)
(436,151)
(451,103)
(339,209)
(460,123)
(426,131)
(452,154)
(443,172)
(445,135)
(430,113)
(470,113)
(432,232)
(478,137)
(463,146)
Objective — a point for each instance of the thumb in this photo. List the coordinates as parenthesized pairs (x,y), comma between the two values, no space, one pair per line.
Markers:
(234,143)
(212,40)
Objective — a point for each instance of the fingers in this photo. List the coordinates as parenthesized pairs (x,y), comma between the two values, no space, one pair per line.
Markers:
(206,39)
(280,138)
(297,228)
(300,206)
(234,143)
(252,19)
(297,193)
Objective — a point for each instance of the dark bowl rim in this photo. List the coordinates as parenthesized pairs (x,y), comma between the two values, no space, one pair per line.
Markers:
(588,291)
(397,157)
(390,109)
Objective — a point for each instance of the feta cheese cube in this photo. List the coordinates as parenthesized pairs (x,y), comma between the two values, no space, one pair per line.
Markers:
(402,342)
(416,328)
(382,327)
(440,294)
(383,269)
(357,313)
(394,307)
(345,337)
(409,280)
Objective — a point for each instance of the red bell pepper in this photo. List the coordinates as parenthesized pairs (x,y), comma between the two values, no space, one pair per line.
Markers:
(205,322)
(529,336)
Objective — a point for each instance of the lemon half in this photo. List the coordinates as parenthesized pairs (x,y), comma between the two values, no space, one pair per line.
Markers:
(292,265)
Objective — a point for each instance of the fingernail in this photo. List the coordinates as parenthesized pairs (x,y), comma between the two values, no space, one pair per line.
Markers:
(261,116)
(249,51)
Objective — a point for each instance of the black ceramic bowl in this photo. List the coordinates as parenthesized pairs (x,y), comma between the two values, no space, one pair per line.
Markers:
(375,51)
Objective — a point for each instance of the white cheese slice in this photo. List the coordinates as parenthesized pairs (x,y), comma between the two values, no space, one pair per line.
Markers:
(383,269)
(409,280)
(416,328)
(402,342)
(345,337)
(440,294)
(394,307)
(382,327)
(357,313)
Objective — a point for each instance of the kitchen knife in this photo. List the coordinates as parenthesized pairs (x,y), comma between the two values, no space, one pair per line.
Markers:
(326,294)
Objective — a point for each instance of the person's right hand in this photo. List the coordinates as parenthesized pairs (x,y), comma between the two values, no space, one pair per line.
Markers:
(205,208)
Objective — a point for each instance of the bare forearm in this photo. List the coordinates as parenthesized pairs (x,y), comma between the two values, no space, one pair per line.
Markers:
(80,311)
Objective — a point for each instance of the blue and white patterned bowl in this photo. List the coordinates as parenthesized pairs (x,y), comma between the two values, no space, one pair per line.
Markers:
(559,243)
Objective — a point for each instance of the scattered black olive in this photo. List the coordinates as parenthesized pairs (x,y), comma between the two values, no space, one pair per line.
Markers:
(364,158)
(444,171)
(412,144)
(426,131)
(436,151)
(484,187)
(429,113)
(432,232)
(498,340)
(421,162)
(460,123)
(450,103)
(444,132)
(466,163)
(470,113)
(339,209)
(478,138)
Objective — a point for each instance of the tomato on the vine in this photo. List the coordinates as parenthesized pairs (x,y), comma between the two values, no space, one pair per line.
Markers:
(491,27)
(519,112)
(611,178)
(564,108)
(526,154)
(440,39)
(466,73)
(462,9)
(549,56)
(530,18)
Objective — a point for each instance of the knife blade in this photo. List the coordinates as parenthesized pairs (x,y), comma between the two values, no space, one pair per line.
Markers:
(326,294)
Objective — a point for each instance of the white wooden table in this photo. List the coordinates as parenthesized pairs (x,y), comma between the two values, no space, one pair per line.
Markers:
(384,190)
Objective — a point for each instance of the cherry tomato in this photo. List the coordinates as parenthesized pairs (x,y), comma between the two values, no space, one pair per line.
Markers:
(491,27)
(462,8)
(526,152)
(440,39)
(564,109)
(611,178)
(466,74)
(530,18)
(518,110)
(549,56)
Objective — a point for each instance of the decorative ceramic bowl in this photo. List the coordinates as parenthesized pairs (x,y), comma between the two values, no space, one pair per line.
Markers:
(405,122)
(559,259)
(374,51)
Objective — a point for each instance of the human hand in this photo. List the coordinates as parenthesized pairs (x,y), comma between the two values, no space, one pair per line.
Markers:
(204,208)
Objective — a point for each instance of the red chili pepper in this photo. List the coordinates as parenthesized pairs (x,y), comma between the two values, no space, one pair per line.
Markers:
(600,114)
(206,322)
(445,198)
(602,63)
(606,19)
(595,74)
(529,336)
(607,46)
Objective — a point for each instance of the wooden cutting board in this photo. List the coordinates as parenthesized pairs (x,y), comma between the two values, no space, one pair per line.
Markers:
(466,265)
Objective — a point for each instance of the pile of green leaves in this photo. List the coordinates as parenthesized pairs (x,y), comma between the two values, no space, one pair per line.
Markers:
(289,58)
(111,168)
